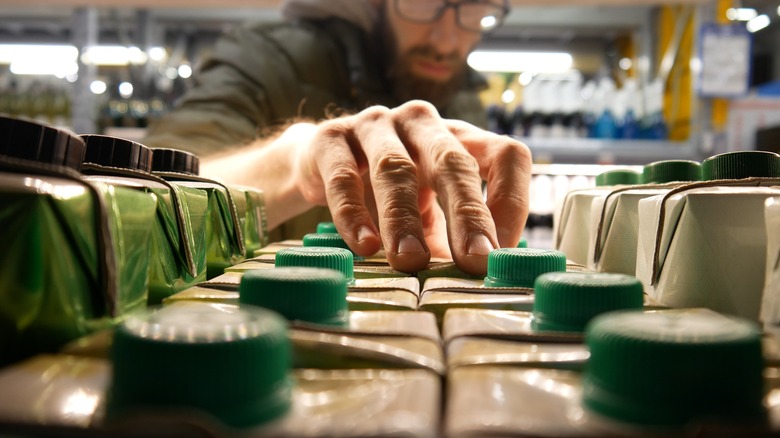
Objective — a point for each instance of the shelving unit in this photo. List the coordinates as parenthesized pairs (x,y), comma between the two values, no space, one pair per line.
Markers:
(595,151)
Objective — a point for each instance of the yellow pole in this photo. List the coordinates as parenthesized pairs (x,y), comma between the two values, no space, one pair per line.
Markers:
(678,87)
(720,106)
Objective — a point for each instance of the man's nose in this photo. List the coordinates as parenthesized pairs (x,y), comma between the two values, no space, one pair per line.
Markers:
(444,33)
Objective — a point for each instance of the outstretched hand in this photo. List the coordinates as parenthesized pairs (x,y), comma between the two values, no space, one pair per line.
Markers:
(412,181)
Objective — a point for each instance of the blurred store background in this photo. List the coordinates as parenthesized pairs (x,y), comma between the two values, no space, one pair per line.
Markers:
(587,85)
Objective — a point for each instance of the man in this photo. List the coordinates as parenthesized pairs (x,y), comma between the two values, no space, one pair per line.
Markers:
(398,172)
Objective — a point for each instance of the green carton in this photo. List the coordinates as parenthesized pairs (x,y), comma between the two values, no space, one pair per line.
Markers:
(74,255)
(178,233)
(236,218)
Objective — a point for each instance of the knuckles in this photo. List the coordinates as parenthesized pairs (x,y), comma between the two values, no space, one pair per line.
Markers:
(401,211)
(415,109)
(344,178)
(349,209)
(470,209)
(398,168)
(373,114)
(331,131)
(512,151)
(454,161)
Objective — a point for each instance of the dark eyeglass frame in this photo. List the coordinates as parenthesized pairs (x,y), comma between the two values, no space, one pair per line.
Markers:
(503,7)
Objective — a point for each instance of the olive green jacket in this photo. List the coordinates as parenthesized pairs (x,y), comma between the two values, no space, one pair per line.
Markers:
(261,76)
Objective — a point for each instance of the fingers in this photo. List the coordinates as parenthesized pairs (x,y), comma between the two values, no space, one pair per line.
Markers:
(454,174)
(337,169)
(424,172)
(506,166)
(393,176)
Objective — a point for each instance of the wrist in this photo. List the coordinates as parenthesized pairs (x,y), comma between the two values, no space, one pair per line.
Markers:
(282,173)
(271,165)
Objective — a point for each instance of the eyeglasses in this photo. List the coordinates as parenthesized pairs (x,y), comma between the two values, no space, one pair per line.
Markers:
(473,15)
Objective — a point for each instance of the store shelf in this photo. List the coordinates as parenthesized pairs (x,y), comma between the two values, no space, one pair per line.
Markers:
(595,151)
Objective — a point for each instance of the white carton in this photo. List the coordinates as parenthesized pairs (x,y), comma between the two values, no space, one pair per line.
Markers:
(770,307)
(614,222)
(571,227)
(705,245)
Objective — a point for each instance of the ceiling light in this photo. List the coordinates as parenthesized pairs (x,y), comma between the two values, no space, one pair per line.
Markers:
(758,23)
(113,55)
(508,96)
(31,58)
(98,87)
(157,53)
(741,14)
(43,66)
(10,53)
(516,62)
(126,90)
(525,78)
(185,71)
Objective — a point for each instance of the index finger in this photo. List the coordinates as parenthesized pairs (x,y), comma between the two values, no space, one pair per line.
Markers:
(339,171)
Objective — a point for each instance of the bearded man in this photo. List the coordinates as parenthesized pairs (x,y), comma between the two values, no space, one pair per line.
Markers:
(368,109)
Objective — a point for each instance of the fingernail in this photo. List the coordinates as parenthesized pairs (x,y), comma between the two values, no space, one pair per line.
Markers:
(410,244)
(479,244)
(364,233)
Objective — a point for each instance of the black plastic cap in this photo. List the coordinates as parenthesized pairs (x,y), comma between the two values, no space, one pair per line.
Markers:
(30,140)
(117,152)
(174,160)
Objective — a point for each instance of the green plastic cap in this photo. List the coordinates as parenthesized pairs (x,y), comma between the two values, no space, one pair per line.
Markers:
(671,171)
(567,301)
(316,295)
(230,361)
(523,243)
(332,240)
(519,267)
(339,259)
(743,164)
(326,227)
(618,177)
(668,369)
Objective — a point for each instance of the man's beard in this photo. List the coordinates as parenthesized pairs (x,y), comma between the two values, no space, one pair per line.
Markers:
(405,85)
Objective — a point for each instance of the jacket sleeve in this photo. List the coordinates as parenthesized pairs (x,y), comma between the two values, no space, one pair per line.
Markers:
(257,77)
(222,110)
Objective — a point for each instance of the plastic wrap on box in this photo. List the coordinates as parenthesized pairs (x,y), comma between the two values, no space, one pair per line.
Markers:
(66,395)
(250,206)
(178,257)
(53,286)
